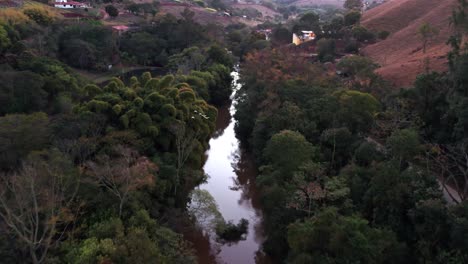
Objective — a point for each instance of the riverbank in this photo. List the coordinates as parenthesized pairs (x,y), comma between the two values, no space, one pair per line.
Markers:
(231,182)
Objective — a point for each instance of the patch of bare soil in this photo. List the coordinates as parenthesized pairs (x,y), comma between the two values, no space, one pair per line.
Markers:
(401,55)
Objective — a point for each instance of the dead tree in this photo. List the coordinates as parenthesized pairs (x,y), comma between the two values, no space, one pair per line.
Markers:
(185,142)
(451,165)
(35,205)
(123,174)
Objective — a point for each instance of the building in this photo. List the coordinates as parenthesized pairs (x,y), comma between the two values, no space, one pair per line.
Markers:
(120,29)
(69,4)
(303,37)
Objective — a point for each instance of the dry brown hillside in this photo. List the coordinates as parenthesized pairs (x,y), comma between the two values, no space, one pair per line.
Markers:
(401,55)
(203,16)
(338,3)
(260,8)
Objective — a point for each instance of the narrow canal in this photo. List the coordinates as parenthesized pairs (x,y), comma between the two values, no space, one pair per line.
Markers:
(232,184)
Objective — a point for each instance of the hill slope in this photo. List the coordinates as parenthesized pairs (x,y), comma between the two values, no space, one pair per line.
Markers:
(401,55)
(337,3)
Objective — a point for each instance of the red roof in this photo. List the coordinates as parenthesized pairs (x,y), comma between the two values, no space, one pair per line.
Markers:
(120,28)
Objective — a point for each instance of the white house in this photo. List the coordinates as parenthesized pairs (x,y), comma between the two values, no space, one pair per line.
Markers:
(306,36)
(69,4)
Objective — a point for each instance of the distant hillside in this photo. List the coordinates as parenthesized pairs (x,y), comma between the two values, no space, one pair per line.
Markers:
(260,8)
(203,15)
(401,55)
(338,3)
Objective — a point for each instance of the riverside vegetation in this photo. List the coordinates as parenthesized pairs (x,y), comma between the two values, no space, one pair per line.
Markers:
(349,169)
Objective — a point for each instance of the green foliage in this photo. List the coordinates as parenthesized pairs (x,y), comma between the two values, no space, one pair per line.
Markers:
(141,240)
(86,46)
(281,35)
(19,135)
(86,121)
(218,55)
(112,10)
(404,144)
(152,110)
(366,153)
(352,18)
(92,90)
(353,4)
(220,89)
(358,68)
(189,59)
(337,144)
(383,34)
(363,34)
(22,92)
(346,238)
(308,21)
(326,49)
(5,41)
(427,32)
(40,15)
(146,48)
(287,150)
(357,109)
(230,232)
(385,198)
(144,8)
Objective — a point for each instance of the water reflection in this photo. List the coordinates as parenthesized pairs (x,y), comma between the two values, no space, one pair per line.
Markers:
(232,184)
(222,122)
(206,253)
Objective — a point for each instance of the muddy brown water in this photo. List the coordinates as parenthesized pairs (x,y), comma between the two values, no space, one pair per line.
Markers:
(231,182)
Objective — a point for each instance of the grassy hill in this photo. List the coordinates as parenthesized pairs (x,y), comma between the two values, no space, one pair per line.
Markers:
(401,54)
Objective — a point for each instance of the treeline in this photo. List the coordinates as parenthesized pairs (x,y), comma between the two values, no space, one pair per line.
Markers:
(102,173)
(350,172)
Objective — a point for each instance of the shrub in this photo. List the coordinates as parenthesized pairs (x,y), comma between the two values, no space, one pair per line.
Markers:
(352,47)
(383,34)
(40,15)
(363,34)
(352,18)
(112,11)
(230,232)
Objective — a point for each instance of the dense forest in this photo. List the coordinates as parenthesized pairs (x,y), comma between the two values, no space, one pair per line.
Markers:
(101,172)
(351,170)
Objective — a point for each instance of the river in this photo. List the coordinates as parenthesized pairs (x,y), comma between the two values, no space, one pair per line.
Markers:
(231,182)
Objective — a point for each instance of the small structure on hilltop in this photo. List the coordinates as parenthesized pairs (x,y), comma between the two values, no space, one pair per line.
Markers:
(120,29)
(69,4)
(303,37)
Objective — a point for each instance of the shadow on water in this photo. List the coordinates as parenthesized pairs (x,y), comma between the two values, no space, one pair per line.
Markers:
(202,245)
(222,121)
(232,184)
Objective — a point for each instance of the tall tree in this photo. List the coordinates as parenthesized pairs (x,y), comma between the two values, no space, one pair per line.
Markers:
(123,175)
(353,4)
(185,141)
(112,11)
(36,202)
(427,32)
